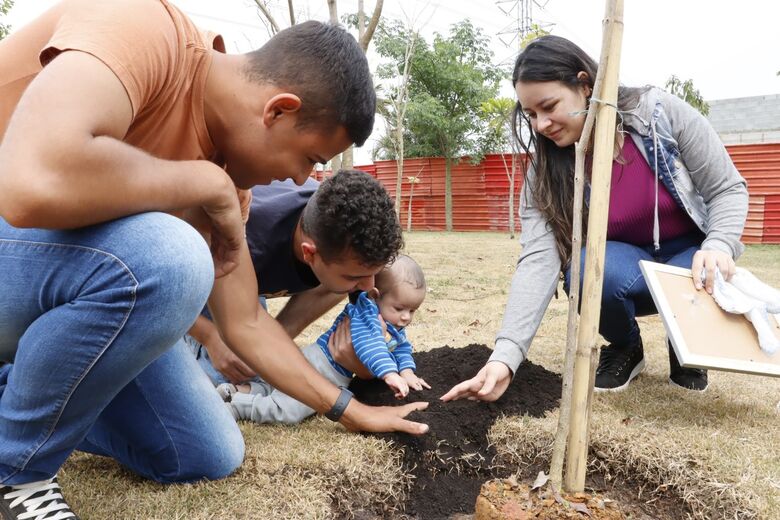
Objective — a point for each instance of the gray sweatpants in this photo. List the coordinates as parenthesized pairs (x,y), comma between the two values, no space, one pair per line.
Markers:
(266,404)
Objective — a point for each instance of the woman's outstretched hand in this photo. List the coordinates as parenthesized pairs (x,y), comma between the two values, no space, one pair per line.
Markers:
(489,384)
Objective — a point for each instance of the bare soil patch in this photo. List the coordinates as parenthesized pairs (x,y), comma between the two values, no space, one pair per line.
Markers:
(451,463)
(453,460)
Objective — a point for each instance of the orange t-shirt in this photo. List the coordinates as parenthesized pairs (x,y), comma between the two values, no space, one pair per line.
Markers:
(157,53)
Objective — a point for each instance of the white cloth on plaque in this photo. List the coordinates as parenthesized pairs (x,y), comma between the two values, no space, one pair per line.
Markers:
(747,295)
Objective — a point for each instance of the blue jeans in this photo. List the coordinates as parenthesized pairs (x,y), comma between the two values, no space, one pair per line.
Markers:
(625,294)
(91,322)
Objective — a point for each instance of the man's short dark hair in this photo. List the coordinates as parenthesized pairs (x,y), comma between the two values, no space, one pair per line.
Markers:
(323,65)
(351,213)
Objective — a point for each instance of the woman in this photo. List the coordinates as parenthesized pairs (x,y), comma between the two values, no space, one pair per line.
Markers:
(676,199)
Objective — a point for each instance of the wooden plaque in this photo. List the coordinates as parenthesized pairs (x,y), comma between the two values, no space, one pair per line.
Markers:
(704,335)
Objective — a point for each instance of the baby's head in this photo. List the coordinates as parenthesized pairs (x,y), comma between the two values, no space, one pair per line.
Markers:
(399,291)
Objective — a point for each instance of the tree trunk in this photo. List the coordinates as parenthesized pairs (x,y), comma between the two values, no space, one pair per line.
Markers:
(367,31)
(448,193)
(292,12)
(409,209)
(347,162)
(510,175)
(361,22)
(274,26)
(399,179)
(335,164)
(512,197)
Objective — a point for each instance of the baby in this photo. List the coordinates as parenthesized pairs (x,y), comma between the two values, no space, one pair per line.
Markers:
(378,320)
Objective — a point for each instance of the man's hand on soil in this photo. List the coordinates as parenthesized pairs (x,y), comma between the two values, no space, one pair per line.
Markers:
(361,418)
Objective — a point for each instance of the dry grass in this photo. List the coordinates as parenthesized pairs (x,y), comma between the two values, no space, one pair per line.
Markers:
(719,450)
(316,471)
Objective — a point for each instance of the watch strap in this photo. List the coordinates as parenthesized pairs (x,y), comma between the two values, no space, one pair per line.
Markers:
(335,413)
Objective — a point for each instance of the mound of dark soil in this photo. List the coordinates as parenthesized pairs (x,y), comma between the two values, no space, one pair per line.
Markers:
(452,461)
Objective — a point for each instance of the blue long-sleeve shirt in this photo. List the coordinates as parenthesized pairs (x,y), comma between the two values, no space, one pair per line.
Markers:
(379,355)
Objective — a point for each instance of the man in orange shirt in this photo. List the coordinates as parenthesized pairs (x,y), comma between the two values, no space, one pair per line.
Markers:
(114,116)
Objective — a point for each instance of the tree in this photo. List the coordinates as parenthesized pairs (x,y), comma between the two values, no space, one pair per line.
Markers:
(366,28)
(413,179)
(536,31)
(393,107)
(688,93)
(5,6)
(498,113)
(274,28)
(448,82)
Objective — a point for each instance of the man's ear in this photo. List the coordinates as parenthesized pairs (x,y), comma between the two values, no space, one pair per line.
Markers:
(284,104)
(309,249)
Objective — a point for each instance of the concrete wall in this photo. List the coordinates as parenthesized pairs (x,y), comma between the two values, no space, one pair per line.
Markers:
(748,120)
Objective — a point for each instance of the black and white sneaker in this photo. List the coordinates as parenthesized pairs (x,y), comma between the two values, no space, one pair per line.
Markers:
(34,501)
(618,365)
(688,378)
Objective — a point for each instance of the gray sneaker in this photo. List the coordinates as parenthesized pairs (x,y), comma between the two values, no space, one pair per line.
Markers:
(35,501)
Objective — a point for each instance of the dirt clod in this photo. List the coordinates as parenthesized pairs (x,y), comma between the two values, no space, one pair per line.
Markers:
(504,499)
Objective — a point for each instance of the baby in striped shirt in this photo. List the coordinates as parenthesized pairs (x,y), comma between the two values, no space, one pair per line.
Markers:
(378,321)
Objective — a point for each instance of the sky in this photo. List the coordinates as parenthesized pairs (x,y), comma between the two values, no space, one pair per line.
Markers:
(729,49)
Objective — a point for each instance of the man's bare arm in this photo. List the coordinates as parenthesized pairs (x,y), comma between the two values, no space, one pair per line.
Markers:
(261,342)
(63,163)
(302,309)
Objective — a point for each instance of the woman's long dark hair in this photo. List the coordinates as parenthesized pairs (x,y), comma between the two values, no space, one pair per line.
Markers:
(552,58)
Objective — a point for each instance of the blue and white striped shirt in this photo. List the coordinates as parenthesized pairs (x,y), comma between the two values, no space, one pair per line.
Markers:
(380,356)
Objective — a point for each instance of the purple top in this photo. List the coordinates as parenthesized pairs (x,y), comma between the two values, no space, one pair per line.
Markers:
(632,202)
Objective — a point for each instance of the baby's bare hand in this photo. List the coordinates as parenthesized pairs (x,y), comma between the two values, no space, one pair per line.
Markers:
(414,382)
(398,384)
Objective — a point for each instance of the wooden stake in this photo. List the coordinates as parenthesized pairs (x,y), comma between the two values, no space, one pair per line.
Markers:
(564,412)
(603,153)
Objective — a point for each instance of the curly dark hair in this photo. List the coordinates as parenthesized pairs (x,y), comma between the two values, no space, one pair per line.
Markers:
(352,213)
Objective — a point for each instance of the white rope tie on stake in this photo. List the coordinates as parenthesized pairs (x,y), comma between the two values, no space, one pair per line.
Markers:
(620,113)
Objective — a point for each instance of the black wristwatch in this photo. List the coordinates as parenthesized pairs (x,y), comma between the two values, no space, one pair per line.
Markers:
(335,413)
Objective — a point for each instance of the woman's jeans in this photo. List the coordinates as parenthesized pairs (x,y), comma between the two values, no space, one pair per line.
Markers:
(91,327)
(625,294)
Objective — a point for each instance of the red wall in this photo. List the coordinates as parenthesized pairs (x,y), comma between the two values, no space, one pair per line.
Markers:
(480,193)
(759,164)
